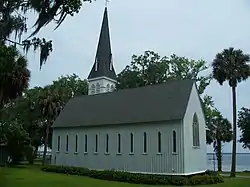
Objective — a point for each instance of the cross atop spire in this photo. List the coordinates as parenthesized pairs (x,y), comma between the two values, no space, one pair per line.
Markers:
(106,3)
(103,64)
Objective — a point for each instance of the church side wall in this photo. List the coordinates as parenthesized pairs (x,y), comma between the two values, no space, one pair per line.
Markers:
(195,158)
(166,162)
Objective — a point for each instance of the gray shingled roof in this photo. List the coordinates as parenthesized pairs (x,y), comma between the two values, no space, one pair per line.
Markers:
(103,53)
(161,102)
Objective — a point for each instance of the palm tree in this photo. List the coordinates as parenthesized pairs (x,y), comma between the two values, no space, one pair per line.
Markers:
(221,132)
(14,75)
(232,66)
(50,102)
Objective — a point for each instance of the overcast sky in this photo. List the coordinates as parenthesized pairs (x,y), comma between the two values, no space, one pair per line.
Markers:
(196,29)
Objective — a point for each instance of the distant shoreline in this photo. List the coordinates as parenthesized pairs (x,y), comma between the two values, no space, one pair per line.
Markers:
(229,153)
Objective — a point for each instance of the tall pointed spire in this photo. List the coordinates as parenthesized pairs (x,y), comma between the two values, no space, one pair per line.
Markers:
(103,65)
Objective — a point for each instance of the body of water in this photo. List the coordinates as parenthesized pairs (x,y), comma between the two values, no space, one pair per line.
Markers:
(242,161)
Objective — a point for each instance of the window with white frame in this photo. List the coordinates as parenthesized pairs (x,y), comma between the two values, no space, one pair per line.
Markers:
(86,143)
(67,144)
(96,143)
(107,143)
(119,143)
(174,141)
(131,142)
(58,143)
(159,142)
(196,137)
(145,141)
(76,144)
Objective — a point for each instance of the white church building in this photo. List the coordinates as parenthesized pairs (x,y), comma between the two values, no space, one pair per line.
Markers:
(153,129)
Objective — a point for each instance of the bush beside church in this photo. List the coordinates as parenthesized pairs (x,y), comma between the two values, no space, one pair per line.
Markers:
(136,178)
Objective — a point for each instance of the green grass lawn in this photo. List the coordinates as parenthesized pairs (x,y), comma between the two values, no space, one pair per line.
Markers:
(33,177)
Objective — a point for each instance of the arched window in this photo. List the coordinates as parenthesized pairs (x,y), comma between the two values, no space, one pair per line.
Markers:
(92,89)
(98,88)
(112,88)
(196,137)
(108,87)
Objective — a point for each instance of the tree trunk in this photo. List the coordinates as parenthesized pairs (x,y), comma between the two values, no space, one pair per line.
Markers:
(233,164)
(35,152)
(15,159)
(30,156)
(1,99)
(46,144)
(219,155)
(33,155)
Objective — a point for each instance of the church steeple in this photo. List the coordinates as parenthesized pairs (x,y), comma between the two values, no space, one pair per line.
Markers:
(102,77)
(103,65)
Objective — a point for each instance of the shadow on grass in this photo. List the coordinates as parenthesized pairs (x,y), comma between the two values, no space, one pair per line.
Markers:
(3,178)
(17,166)
(21,165)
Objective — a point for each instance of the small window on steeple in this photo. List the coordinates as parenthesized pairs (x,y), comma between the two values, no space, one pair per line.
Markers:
(108,87)
(92,89)
(98,88)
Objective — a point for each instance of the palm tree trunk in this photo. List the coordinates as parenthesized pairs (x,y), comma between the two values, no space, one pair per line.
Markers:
(46,144)
(233,165)
(219,155)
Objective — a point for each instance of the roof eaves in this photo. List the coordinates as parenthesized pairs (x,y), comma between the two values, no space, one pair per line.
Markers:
(137,123)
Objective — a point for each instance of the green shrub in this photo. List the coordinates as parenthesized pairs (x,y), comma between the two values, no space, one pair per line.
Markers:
(210,172)
(137,178)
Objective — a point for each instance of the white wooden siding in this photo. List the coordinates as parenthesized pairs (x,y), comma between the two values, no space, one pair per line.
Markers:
(153,162)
